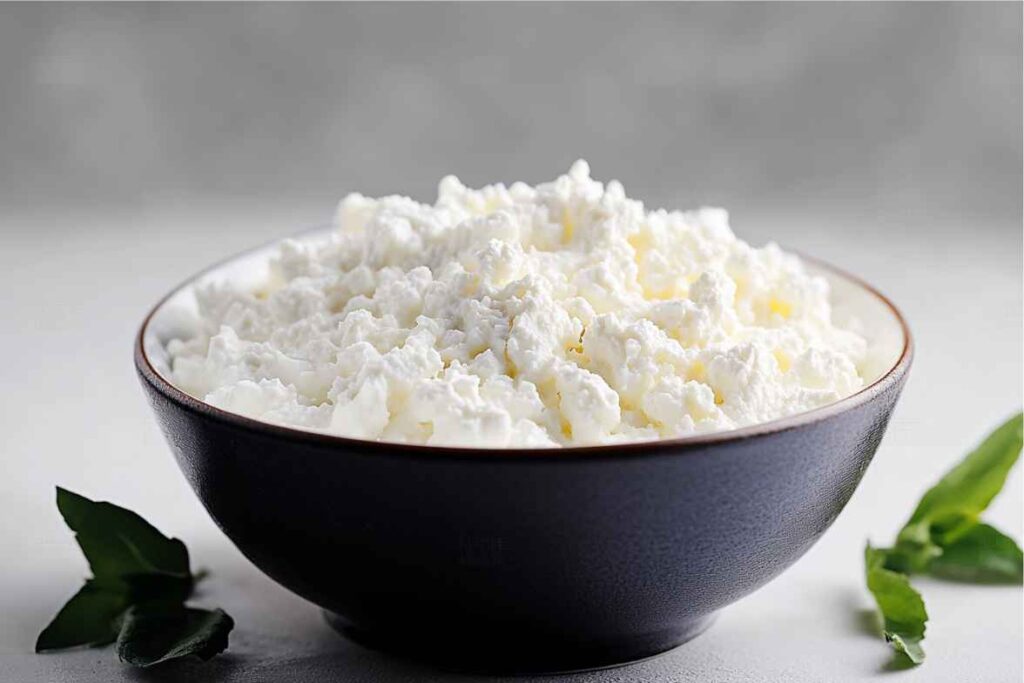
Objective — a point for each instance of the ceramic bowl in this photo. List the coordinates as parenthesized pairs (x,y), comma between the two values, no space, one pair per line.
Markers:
(525,560)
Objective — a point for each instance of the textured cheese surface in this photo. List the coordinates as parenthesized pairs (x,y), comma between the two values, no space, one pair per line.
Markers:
(562,314)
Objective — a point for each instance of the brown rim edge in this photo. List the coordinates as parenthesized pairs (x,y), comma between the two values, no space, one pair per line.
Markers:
(627,449)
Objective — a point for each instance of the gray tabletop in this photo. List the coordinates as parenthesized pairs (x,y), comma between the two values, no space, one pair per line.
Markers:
(74,415)
(140,143)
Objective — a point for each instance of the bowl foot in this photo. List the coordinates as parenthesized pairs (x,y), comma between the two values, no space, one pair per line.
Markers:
(510,654)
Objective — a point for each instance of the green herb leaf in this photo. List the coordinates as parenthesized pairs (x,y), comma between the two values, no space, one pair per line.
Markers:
(141,580)
(902,608)
(944,538)
(151,636)
(911,556)
(948,513)
(981,555)
(951,507)
(908,647)
(88,618)
(119,543)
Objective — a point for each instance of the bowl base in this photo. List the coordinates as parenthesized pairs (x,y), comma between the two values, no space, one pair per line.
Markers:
(509,655)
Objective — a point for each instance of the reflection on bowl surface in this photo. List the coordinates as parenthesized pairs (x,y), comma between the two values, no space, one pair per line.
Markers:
(526,560)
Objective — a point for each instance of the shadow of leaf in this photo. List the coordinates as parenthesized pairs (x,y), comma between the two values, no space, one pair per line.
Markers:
(869,622)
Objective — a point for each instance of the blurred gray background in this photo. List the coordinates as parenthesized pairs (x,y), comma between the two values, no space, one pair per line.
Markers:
(870,109)
(139,143)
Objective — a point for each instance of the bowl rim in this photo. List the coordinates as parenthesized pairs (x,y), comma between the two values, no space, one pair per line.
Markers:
(631,449)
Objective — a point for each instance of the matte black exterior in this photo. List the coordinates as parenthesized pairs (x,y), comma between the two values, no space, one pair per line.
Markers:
(525,560)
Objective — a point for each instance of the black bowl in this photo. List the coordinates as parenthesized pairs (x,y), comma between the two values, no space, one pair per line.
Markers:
(525,560)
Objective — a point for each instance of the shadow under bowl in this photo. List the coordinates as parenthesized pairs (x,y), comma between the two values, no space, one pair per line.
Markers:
(525,560)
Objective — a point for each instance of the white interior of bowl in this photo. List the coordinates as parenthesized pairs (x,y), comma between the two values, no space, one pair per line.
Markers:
(854,307)
(861,310)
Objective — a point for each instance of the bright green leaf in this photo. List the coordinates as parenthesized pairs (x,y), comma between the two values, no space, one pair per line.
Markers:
(944,538)
(150,636)
(910,648)
(952,506)
(902,608)
(911,556)
(981,555)
(89,618)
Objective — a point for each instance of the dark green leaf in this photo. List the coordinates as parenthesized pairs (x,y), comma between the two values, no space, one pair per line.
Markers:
(150,636)
(981,555)
(89,618)
(119,543)
(952,506)
(158,588)
(902,608)
(141,582)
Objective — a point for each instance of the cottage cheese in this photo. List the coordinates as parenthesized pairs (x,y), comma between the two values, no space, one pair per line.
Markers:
(562,314)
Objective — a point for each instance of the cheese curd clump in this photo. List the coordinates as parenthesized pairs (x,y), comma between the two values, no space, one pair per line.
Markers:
(558,315)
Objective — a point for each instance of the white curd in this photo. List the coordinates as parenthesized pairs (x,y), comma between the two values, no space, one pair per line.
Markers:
(557,315)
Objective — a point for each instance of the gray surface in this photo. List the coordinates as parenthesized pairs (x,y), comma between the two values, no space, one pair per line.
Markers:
(868,108)
(73,414)
(138,144)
